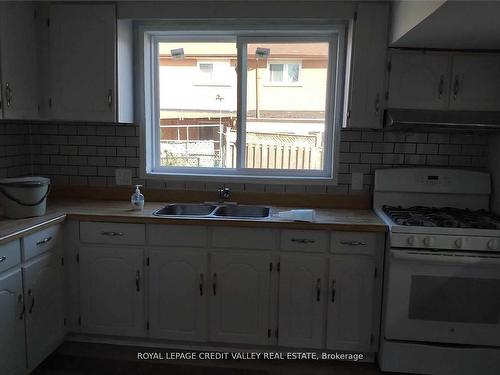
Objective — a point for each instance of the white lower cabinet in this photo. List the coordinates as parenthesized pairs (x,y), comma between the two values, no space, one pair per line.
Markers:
(239,297)
(44,302)
(112,291)
(177,294)
(351,303)
(12,345)
(301,303)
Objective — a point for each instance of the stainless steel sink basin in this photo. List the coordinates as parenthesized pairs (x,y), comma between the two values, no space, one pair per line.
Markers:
(186,209)
(243,211)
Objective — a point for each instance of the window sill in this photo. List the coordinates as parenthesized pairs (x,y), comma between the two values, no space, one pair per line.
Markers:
(292,180)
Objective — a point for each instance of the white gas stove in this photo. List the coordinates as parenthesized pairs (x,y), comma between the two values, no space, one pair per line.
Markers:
(442,276)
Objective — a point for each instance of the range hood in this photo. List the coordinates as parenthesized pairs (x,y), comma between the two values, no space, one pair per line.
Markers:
(416,119)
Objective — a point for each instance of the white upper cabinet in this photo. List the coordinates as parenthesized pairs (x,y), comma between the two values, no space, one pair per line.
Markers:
(444,81)
(82,62)
(475,82)
(12,347)
(178,288)
(368,67)
(302,301)
(419,80)
(112,290)
(44,301)
(19,60)
(239,297)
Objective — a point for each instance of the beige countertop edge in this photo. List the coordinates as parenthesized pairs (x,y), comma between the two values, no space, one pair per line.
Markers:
(327,219)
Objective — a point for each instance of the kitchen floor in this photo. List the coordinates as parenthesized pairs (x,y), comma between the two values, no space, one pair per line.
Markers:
(84,359)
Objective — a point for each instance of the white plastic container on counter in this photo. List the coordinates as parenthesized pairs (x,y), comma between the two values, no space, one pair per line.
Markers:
(24,196)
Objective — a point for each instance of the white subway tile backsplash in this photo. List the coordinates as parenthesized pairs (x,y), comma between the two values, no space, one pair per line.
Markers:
(90,153)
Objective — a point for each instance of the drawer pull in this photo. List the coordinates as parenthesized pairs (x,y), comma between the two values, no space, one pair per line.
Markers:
(202,284)
(214,284)
(138,280)
(302,240)
(318,290)
(3,258)
(333,291)
(353,243)
(44,241)
(112,234)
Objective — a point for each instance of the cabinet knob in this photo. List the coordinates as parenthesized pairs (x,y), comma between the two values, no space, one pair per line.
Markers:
(112,234)
(32,295)
(353,243)
(138,281)
(318,290)
(441,87)
(44,241)
(214,284)
(3,258)
(20,303)
(202,284)
(334,291)
(110,98)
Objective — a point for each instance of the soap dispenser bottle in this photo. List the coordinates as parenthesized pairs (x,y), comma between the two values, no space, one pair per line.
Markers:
(137,199)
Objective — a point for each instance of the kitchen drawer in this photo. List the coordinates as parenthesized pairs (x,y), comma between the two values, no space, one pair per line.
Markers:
(304,240)
(353,243)
(243,238)
(41,241)
(112,233)
(177,235)
(10,255)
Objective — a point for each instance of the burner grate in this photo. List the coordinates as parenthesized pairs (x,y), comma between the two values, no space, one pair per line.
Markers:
(447,217)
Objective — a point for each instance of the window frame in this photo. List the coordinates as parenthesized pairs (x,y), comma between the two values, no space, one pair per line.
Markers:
(149,35)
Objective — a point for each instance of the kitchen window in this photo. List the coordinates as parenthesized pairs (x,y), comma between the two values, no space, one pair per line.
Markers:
(231,106)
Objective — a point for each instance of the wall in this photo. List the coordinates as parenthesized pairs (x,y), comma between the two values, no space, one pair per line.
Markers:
(83,154)
(14,155)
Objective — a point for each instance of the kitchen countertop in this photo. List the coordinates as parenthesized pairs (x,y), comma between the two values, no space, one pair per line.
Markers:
(120,211)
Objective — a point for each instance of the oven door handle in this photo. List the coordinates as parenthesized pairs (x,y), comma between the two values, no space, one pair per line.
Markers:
(435,258)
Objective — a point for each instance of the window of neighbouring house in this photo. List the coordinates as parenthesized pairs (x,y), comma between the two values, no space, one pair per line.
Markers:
(224,108)
(284,73)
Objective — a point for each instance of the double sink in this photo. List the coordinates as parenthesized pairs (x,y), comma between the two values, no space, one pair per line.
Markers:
(231,211)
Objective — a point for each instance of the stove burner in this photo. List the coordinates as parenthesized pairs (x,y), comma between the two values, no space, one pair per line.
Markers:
(448,217)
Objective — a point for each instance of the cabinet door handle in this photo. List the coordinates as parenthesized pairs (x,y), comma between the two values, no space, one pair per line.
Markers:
(3,258)
(202,284)
(377,104)
(110,98)
(441,87)
(32,295)
(20,302)
(353,243)
(456,87)
(138,280)
(318,290)
(333,291)
(112,234)
(302,240)
(214,284)
(8,94)
(44,241)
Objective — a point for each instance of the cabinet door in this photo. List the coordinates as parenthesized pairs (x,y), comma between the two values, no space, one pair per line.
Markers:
(44,300)
(82,61)
(476,83)
(369,54)
(350,303)
(239,298)
(177,294)
(419,80)
(12,349)
(19,60)
(302,301)
(111,291)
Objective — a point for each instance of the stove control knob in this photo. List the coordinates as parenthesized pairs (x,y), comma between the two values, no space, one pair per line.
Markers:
(428,241)
(410,240)
(492,244)
(459,242)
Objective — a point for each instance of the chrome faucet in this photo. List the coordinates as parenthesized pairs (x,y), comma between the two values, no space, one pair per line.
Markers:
(224,194)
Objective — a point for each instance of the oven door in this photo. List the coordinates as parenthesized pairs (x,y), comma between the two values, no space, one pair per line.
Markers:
(443,297)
